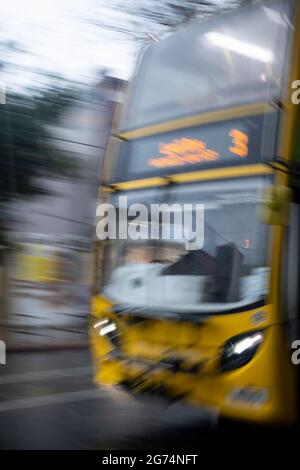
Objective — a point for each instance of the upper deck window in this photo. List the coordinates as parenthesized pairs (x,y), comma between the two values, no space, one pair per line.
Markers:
(226,61)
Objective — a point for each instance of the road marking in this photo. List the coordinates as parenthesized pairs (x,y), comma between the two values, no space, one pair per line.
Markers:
(45,375)
(53,399)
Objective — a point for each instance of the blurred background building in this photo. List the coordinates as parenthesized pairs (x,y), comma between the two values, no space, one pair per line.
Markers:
(46,277)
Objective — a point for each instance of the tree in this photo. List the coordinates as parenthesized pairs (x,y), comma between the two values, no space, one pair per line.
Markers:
(27,152)
(148,18)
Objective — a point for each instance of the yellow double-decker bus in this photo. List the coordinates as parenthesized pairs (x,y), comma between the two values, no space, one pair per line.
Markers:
(211,118)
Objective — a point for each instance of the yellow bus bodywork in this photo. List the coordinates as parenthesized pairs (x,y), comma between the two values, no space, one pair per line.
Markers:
(270,373)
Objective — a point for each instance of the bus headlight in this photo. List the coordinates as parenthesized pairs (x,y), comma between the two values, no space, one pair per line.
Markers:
(239,350)
(108,327)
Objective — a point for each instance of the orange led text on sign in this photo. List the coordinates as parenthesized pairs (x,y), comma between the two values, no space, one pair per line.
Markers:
(185,151)
(239,143)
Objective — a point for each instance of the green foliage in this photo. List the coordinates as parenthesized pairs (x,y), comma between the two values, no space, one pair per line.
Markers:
(27,152)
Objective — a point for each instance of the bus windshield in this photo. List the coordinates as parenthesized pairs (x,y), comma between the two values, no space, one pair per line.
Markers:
(244,62)
(229,271)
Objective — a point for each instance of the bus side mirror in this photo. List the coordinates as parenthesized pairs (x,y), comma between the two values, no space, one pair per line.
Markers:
(274,205)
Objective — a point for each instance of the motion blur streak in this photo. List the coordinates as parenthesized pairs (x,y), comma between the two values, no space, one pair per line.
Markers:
(170,101)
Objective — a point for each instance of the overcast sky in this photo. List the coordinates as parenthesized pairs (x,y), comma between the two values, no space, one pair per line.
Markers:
(74,38)
(58,36)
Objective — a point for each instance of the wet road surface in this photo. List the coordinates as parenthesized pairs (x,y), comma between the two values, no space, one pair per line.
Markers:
(48,401)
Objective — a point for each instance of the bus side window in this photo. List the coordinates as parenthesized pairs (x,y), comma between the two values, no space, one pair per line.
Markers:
(291,278)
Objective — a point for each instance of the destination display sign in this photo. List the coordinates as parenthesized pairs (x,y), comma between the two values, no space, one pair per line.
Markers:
(227,143)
